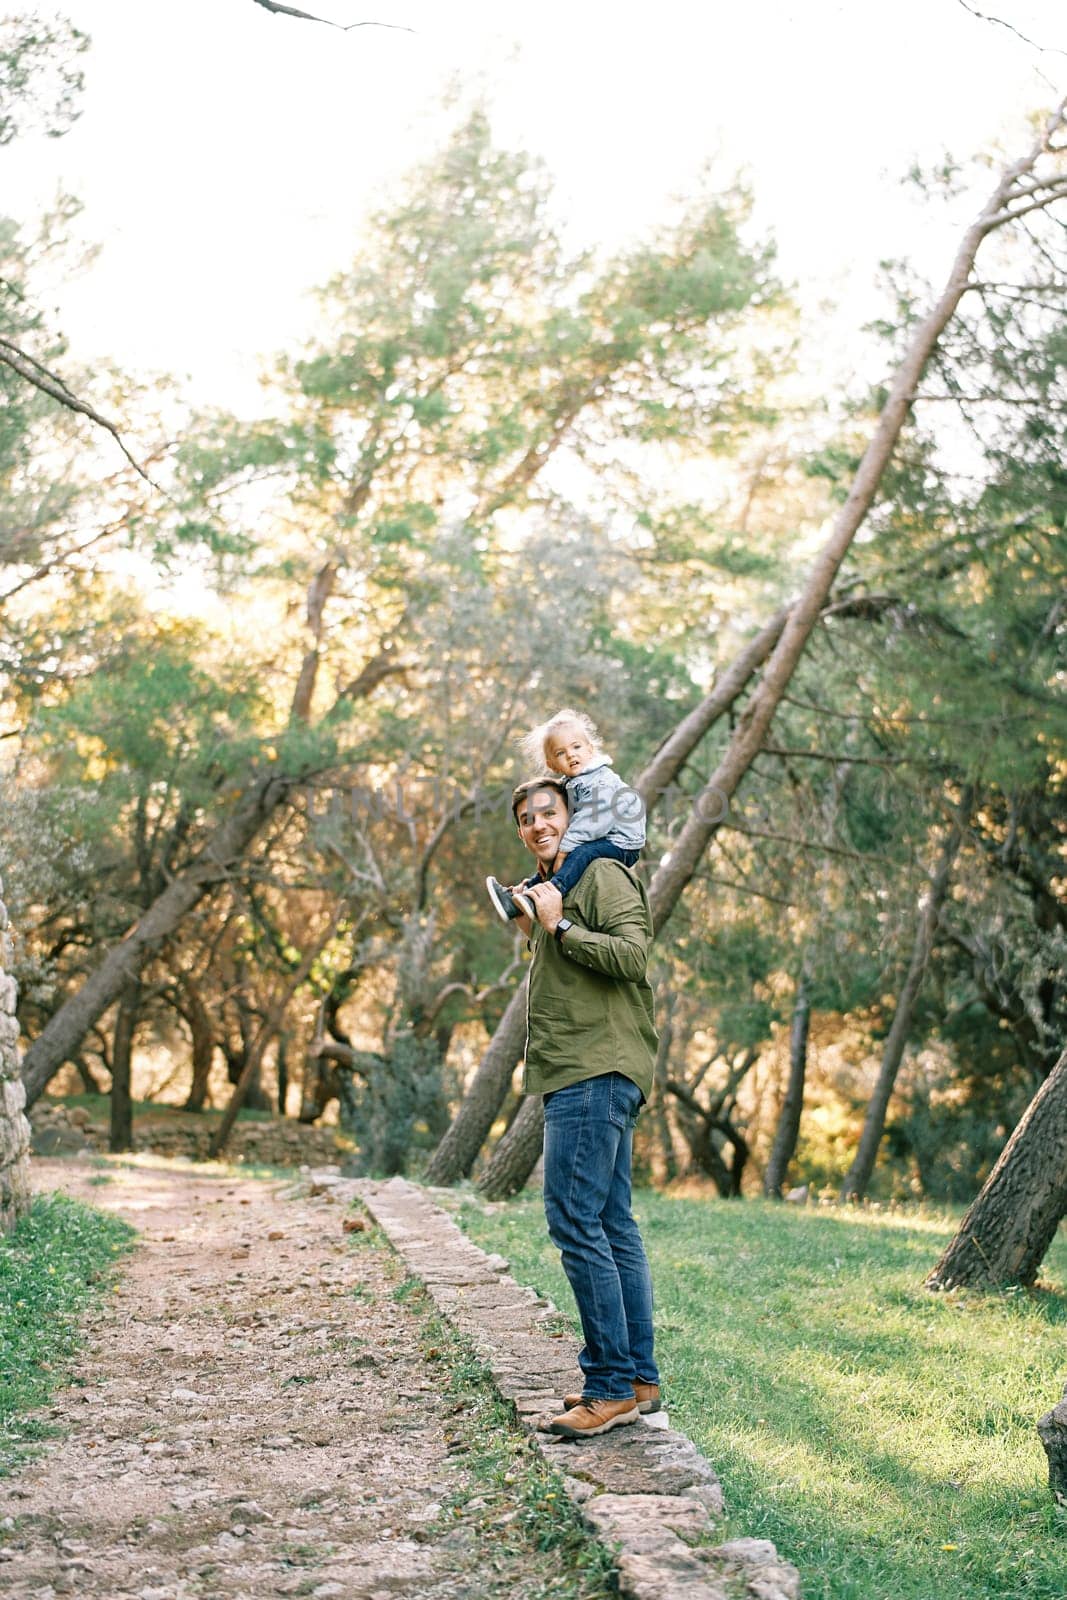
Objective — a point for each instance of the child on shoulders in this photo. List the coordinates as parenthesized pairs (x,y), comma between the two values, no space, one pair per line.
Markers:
(607,817)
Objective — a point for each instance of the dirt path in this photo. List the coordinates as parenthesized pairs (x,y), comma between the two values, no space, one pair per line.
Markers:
(253,1416)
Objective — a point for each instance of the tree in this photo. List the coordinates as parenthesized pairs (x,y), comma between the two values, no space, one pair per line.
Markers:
(40,79)
(785,1139)
(465,352)
(1032,183)
(1006,1233)
(859,1174)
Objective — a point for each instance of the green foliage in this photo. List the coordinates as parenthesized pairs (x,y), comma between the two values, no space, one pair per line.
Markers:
(40,79)
(403,1108)
(60,1256)
(883,1437)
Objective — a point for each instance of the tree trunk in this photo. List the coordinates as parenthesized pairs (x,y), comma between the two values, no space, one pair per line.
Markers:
(85,1073)
(703,1123)
(788,1130)
(480,1107)
(203,1037)
(14,1129)
(270,1026)
(120,1135)
(282,1068)
(485,1095)
(859,1174)
(660,1122)
(249,1072)
(1006,1234)
(517,1153)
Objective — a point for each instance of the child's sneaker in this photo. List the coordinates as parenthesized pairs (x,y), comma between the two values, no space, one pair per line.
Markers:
(508,906)
(503,900)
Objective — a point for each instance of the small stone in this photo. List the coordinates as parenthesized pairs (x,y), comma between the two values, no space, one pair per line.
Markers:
(275,1234)
(249,1511)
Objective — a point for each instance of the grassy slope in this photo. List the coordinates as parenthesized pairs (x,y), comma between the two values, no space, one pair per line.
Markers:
(59,1257)
(882,1436)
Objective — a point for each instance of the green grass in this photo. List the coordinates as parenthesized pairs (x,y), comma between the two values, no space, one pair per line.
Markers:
(882,1436)
(57,1259)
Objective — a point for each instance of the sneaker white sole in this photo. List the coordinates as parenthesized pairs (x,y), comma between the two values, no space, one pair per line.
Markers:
(561,1430)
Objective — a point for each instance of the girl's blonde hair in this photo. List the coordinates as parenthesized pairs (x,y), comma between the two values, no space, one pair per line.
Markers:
(535,743)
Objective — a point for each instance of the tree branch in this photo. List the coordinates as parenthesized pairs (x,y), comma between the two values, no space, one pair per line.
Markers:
(52,385)
(1046,49)
(344,27)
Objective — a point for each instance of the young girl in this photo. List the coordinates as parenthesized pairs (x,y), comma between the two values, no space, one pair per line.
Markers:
(607,816)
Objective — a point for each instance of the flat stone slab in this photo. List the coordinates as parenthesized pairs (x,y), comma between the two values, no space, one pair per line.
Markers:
(645,1491)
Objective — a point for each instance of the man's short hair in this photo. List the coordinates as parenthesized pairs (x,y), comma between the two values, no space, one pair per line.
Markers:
(531,786)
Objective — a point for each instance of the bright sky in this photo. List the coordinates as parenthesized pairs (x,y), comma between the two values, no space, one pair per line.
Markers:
(226,156)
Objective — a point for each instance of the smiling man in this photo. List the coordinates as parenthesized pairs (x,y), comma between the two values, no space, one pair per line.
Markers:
(590,1051)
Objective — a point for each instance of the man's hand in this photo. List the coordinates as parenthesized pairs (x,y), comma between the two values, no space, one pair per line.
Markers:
(548,903)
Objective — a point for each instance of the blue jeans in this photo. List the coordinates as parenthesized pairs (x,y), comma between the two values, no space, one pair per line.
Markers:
(579,859)
(588,1143)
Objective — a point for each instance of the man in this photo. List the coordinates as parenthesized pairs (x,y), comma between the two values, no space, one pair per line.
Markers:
(590,1052)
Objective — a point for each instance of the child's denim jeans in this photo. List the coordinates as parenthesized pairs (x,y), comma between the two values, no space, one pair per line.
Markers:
(579,858)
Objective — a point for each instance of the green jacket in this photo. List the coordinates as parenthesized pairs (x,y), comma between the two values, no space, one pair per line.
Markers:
(589,1007)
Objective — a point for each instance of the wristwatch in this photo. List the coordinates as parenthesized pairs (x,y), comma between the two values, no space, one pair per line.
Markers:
(561,927)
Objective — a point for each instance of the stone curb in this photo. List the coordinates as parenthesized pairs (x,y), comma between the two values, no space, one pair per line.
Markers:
(644,1490)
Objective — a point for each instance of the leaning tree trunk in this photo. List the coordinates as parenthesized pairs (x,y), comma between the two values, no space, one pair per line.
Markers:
(269,1027)
(120,1135)
(859,1174)
(203,1042)
(14,1129)
(517,1153)
(1006,1234)
(481,1104)
(788,1130)
(1018,192)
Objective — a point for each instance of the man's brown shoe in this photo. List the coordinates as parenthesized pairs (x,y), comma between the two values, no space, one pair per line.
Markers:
(590,1417)
(646,1395)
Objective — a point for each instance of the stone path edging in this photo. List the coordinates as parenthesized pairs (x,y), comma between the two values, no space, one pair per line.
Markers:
(644,1490)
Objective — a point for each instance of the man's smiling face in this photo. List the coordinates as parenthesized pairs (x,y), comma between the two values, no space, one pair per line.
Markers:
(542,818)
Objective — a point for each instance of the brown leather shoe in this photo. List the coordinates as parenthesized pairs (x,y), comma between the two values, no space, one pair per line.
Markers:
(590,1417)
(646,1394)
